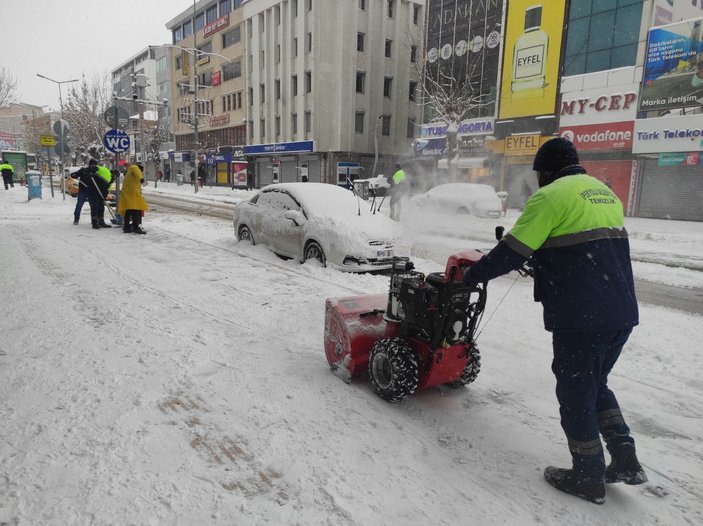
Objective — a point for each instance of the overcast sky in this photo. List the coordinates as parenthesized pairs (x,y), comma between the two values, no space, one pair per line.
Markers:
(65,39)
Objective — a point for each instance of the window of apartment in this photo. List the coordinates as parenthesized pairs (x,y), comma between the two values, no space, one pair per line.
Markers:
(386,125)
(309,42)
(225,7)
(278,89)
(412,89)
(294,123)
(162,64)
(225,101)
(410,132)
(360,80)
(602,35)
(362,5)
(262,61)
(232,70)
(205,79)
(251,96)
(416,14)
(309,2)
(413,53)
(360,42)
(262,93)
(237,4)
(294,85)
(199,21)
(179,60)
(389,48)
(251,130)
(295,47)
(205,47)
(231,37)
(278,126)
(387,86)
(308,81)
(278,53)
(187,28)
(295,7)
(262,125)
(239,99)
(277,15)
(308,122)
(390,9)
(359,122)
(211,14)
(177,35)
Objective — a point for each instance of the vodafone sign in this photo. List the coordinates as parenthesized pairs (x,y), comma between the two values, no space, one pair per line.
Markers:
(609,136)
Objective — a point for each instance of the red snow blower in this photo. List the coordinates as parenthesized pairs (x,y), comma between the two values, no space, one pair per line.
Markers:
(419,335)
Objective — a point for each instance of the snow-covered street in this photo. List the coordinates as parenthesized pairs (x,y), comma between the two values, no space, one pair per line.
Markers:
(180,378)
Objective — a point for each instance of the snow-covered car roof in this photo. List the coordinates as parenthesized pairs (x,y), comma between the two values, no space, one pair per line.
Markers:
(464,188)
(324,200)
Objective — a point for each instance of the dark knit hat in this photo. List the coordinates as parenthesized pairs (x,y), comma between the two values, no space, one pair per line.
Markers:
(554,155)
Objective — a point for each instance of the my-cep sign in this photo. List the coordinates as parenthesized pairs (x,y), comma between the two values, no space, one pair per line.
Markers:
(116,141)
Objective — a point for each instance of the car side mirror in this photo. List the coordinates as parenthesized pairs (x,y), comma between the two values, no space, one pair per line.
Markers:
(499,232)
(295,216)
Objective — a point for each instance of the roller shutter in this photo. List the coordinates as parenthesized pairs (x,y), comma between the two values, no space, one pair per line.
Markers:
(671,192)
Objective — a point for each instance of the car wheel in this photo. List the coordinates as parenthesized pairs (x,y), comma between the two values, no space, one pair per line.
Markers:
(463,211)
(471,369)
(314,251)
(244,234)
(393,369)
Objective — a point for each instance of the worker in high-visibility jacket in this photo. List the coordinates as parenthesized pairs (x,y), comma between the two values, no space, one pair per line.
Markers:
(573,230)
(8,173)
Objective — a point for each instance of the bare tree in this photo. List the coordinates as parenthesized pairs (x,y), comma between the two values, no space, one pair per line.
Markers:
(84,114)
(8,85)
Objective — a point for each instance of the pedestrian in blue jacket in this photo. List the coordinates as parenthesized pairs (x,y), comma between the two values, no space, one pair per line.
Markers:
(573,230)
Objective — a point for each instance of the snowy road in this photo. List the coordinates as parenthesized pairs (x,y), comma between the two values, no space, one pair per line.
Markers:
(179,378)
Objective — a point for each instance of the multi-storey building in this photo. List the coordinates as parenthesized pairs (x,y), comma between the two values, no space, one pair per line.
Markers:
(209,90)
(139,90)
(331,86)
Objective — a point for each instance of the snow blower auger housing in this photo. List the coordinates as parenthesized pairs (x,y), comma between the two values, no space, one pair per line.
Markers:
(418,335)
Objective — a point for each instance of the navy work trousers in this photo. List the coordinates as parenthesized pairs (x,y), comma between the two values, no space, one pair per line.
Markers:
(581,365)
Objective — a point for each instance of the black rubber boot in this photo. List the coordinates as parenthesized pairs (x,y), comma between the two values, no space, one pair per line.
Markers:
(95,224)
(625,467)
(569,481)
(103,224)
(137,230)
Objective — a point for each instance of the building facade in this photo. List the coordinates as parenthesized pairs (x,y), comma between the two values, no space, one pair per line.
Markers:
(331,87)
(208,87)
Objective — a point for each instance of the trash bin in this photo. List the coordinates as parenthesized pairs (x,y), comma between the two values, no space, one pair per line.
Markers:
(179,179)
(33,181)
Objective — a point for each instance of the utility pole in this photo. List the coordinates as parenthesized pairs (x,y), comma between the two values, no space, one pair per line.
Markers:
(195,99)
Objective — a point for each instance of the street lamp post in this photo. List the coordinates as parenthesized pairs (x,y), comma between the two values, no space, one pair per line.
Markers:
(195,100)
(59,82)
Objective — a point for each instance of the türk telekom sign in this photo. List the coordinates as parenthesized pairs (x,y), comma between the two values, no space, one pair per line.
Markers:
(596,106)
(610,136)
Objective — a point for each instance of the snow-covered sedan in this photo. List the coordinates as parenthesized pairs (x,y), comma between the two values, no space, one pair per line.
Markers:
(317,221)
(479,200)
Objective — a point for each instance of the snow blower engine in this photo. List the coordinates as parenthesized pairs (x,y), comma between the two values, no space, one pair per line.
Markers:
(419,335)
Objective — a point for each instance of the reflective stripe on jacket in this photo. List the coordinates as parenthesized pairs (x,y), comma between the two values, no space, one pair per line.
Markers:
(574,230)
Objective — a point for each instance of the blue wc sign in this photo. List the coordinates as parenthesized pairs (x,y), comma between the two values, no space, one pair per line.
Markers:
(116,141)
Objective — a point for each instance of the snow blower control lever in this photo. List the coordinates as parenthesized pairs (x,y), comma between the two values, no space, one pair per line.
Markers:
(423,337)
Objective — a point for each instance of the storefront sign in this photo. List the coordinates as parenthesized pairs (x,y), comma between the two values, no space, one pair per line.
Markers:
(216,78)
(596,106)
(673,71)
(531,63)
(428,147)
(215,26)
(521,145)
(219,120)
(668,134)
(679,159)
(467,127)
(610,136)
(283,147)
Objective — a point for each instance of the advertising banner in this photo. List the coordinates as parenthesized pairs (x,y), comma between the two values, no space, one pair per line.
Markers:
(463,40)
(673,69)
(610,136)
(668,134)
(531,58)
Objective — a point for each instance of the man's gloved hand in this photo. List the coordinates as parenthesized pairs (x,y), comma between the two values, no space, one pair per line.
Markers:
(468,278)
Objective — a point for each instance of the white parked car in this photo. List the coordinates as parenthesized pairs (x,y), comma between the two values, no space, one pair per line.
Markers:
(479,200)
(317,221)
